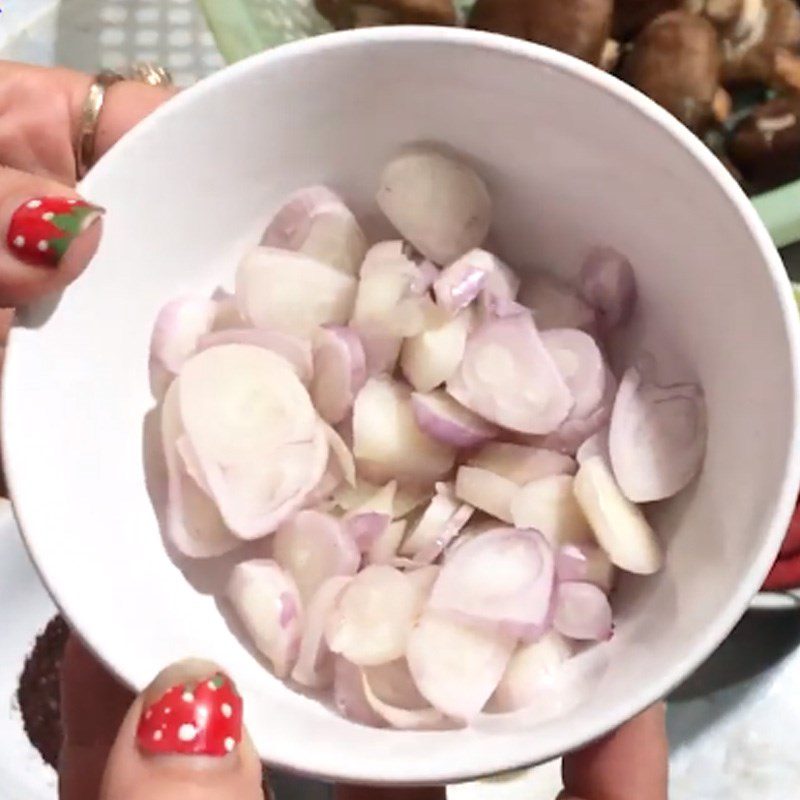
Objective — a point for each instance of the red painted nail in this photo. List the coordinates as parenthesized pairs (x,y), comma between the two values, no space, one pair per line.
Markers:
(196,718)
(43,228)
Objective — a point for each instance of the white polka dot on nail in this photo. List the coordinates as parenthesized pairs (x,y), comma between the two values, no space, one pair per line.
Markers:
(19,241)
(187,697)
(34,204)
(229,743)
(158,735)
(71,202)
(187,732)
(211,685)
(42,246)
(167,710)
(226,710)
(148,714)
(47,216)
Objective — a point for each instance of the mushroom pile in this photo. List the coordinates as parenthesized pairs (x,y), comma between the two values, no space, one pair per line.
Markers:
(425,460)
(727,69)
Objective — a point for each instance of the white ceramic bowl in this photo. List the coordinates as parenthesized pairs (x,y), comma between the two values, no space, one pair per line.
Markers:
(573,158)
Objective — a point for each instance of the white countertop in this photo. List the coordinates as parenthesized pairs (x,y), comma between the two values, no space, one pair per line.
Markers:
(732,726)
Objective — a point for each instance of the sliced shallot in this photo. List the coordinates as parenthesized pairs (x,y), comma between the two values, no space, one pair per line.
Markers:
(384,548)
(295,350)
(582,612)
(191,518)
(268,605)
(176,332)
(313,547)
(292,292)
(432,357)
(581,365)
(619,526)
(367,522)
(609,286)
(391,692)
(522,463)
(549,506)
(349,697)
(340,370)
(446,420)
(472,530)
(596,445)
(340,470)
(441,522)
(585,562)
(502,579)
(436,202)
(314,667)
(555,304)
(227,315)
(374,616)
(315,221)
(344,465)
(405,499)
(386,436)
(456,666)
(392,294)
(532,671)
(424,578)
(476,272)
(256,435)
(487,491)
(570,435)
(508,377)
(657,438)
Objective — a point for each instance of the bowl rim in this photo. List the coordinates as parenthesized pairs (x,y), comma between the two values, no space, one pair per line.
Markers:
(523,752)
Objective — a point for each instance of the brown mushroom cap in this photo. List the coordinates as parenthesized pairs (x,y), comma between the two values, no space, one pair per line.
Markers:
(750,45)
(577,27)
(765,145)
(676,61)
(344,14)
(722,13)
(630,16)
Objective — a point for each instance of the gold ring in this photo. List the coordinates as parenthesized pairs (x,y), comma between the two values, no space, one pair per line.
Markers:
(150,74)
(90,114)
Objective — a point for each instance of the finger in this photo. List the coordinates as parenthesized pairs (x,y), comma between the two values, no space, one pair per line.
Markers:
(49,236)
(127,103)
(93,705)
(183,739)
(377,793)
(41,110)
(631,764)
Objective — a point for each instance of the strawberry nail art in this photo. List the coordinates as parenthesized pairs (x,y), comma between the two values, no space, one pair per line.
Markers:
(42,229)
(196,718)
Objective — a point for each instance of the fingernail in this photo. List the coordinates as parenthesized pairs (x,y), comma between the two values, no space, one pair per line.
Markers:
(192,709)
(43,228)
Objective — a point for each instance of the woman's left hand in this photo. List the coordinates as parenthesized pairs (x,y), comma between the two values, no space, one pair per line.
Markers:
(106,755)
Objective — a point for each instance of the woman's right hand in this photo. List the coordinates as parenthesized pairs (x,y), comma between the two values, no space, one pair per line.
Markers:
(48,233)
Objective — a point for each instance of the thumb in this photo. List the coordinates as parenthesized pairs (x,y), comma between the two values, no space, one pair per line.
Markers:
(630,764)
(183,739)
(49,235)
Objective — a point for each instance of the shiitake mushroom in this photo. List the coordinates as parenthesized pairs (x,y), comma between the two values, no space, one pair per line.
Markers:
(578,27)
(676,61)
(631,16)
(344,14)
(765,145)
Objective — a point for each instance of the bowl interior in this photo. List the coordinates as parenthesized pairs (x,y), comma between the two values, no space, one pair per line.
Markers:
(573,159)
